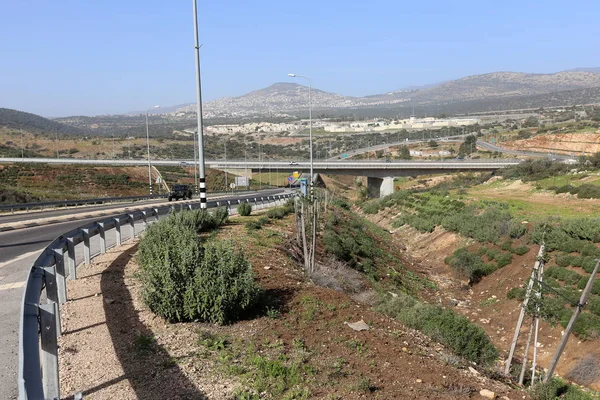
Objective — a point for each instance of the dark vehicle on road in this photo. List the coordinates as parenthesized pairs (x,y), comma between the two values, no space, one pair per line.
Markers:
(180,192)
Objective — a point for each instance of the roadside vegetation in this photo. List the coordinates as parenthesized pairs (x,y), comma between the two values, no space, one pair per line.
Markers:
(499,236)
(362,245)
(187,278)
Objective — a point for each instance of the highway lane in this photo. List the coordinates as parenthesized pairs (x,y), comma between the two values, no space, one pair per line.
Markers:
(18,251)
(492,147)
(82,210)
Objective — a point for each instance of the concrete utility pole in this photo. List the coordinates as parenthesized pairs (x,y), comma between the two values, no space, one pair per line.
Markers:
(195,162)
(202,178)
(533,278)
(582,301)
(226,180)
(148,148)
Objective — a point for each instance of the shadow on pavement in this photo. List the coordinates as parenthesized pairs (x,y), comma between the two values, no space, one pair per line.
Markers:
(147,365)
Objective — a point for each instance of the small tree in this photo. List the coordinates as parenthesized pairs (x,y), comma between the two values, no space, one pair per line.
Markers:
(404,153)
(244,209)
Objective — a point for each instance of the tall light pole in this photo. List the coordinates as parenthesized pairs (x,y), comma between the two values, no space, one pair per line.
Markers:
(226,179)
(309,128)
(195,162)
(148,146)
(202,178)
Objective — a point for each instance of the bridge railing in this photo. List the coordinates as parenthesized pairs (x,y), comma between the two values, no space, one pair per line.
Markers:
(46,286)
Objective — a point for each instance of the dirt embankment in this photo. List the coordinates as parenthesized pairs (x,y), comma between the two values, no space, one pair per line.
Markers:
(577,143)
(486,302)
(114,347)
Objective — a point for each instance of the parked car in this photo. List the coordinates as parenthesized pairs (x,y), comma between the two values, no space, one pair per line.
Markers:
(180,192)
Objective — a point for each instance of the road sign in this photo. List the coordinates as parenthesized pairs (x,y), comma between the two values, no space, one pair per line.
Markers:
(296,174)
(232,185)
(344,155)
(290,178)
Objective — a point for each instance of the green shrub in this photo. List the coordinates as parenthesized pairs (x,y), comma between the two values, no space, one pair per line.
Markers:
(244,209)
(253,226)
(200,220)
(559,389)
(562,274)
(341,203)
(521,250)
(279,212)
(516,293)
(168,256)
(588,191)
(222,289)
(445,326)
(467,264)
(183,280)
(504,259)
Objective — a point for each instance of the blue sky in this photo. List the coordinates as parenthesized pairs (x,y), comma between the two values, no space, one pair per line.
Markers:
(71,57)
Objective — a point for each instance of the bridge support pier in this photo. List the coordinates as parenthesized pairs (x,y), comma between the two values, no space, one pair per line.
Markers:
(380,187)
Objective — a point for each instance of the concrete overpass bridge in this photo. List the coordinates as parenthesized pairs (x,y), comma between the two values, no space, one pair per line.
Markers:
(380,174)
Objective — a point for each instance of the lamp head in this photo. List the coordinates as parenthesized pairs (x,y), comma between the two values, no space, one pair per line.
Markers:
(155,106)
(292,75)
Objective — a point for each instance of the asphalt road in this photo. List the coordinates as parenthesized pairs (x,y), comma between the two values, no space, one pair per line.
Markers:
(82,210)
(18,250)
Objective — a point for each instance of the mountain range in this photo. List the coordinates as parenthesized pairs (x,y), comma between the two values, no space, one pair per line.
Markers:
(283,98)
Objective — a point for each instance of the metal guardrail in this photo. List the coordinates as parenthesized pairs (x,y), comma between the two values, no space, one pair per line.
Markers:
(100,200)
(73,203)
(46,289)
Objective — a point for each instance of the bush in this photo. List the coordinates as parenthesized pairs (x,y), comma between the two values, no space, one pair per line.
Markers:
(244,209)
(280,212)
(183,280)
(521,250)
(558,389)
(516,293)
(222,288)
(445,326)
(200,220)
(588,191)
(168,256)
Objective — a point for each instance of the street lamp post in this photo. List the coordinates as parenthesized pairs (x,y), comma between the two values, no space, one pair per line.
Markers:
(226,178)
(148,146)
(309,129)
(199,116)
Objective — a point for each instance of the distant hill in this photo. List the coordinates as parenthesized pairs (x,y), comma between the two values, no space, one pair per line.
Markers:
(506,84)
(285,98)
(595,70)
(14,119)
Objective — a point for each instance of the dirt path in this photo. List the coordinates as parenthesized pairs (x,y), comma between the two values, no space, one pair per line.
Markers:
(114,348)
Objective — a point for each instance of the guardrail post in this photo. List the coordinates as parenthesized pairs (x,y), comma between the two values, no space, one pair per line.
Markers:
(189,206)
(156,213)
(52,293)
(86,247)
(132,224)
(229,206)
(144,219)
(102,234)
(61,284)
(71,258)
(118,237)
(49,345)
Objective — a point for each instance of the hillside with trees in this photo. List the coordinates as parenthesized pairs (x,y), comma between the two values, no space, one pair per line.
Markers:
(20,120)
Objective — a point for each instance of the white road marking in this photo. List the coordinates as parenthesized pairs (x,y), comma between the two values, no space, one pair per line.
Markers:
(22,256)
(14,285)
